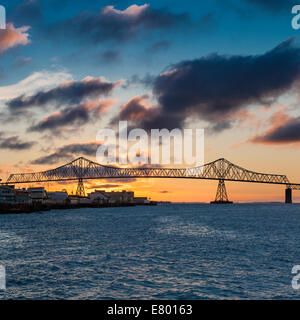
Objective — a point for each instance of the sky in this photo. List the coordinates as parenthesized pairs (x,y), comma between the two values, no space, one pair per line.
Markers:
(70,68)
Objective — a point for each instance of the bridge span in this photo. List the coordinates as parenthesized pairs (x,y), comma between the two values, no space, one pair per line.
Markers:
(222,170)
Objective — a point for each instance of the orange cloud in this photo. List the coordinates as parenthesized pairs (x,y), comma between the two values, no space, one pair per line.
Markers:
(136,108)
(72,116)
(12,37)
(282,130)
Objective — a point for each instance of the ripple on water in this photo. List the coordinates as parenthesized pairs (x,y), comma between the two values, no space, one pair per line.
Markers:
(177,226)
(163,252)
(10,239)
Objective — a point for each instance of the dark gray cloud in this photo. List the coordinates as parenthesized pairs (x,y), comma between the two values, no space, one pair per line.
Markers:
(208,22)
(248,8)
(110,56)
(220,126)
(28,12)
(78,116)
(75,116)
(287,132)
(135,109)
(68,152)
(88,149)
(15,143)
(161,45)
(71,92)
(274,5)
(215,87)
(118,25)
(53,158)
(139,112)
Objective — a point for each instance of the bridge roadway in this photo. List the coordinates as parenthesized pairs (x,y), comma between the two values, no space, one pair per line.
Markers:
(222,170)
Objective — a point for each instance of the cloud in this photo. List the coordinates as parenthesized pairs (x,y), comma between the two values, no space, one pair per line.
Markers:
(119,25)
(136,109)
(208,22)
(76,116)
(27,11)
(283,130)
(216,87)
(21,62)
(52,158)
(147,81)
(220,126)
(12,37)
(161,45)
(122,180)
(273,5)
(14,143)
(68,92)
(247,8)
(105,186)
(69,152)
(36,81)
(110,56)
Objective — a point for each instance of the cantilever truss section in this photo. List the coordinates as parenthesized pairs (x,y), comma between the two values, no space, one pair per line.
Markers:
(84,169)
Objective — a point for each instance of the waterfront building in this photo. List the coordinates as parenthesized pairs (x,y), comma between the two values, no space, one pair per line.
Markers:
(57,197)
(79,200)
(141,200)
(38,194)
(22,196)
(120,196)
(7,194)
(99,196)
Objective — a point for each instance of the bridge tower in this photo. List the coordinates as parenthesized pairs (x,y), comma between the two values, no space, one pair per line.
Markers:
(80,188)
(221,196)
(288,195)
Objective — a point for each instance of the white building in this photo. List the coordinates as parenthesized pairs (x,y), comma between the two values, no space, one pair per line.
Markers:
(38,194)
(99,196)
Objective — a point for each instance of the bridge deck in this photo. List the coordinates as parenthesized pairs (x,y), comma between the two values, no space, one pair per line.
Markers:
(85,169)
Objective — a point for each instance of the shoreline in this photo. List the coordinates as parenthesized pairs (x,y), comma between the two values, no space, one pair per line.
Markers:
(27,209)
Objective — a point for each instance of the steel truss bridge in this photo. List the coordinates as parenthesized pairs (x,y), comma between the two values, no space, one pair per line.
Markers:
(221,170)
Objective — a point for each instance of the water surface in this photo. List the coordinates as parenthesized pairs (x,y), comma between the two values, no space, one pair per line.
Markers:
(239,251)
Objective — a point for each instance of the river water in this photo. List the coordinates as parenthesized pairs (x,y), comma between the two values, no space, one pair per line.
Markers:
(176,251)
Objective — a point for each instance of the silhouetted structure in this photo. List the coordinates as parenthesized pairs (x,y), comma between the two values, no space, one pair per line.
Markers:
(288,195)
(221,196)
(222,170)
(80,188)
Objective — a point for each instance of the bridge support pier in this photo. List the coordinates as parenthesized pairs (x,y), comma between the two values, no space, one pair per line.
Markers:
(80,188)
(221,196)
(288,195)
